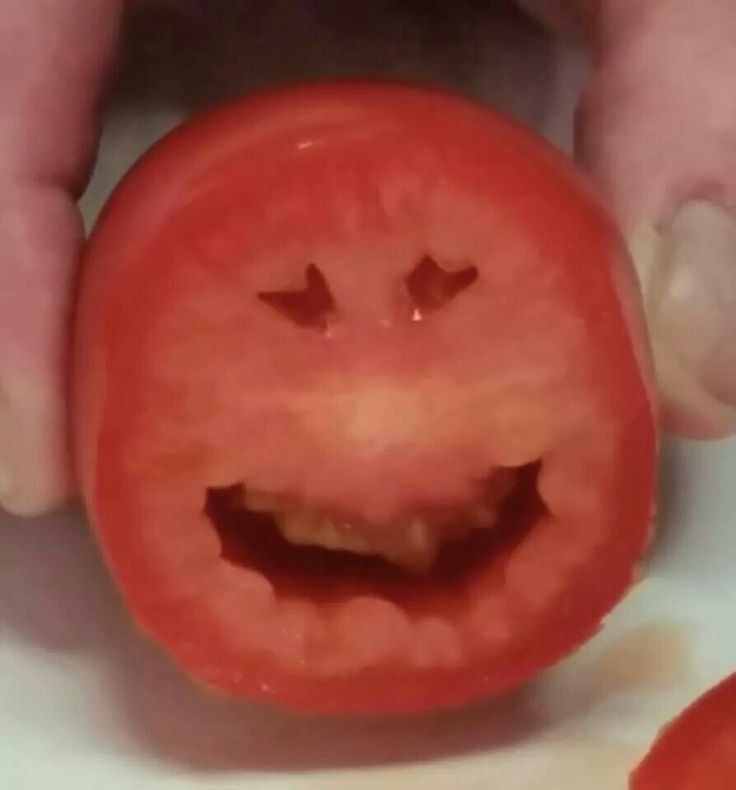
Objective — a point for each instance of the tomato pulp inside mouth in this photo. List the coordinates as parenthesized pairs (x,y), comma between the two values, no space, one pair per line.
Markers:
(362,415)
(252,539)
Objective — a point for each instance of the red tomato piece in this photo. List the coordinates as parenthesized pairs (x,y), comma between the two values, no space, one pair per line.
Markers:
(698,750)
(362,414)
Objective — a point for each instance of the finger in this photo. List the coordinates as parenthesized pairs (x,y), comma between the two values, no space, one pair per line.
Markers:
(657,132)
(54,57)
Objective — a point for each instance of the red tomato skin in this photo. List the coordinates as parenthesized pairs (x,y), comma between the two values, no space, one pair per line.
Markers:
(697,751)
(173,172)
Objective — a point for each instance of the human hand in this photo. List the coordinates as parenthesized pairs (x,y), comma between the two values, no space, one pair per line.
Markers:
(657,133)
(637,136)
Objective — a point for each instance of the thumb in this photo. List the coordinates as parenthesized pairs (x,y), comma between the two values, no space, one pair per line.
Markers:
(657,132)
(54,57)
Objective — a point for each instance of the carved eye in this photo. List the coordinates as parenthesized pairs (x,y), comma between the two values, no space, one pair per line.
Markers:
(430,286)
(308,307)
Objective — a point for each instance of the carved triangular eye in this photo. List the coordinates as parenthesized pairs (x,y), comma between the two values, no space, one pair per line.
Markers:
(307,307)
(430,286)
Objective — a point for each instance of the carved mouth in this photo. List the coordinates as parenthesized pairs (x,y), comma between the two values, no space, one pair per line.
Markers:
(277,529)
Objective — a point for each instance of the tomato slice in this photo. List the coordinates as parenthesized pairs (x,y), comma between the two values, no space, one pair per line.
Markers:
(362,414)
(698,750)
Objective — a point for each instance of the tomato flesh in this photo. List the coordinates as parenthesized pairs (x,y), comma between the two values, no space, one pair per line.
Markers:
(362,303)
(698,750)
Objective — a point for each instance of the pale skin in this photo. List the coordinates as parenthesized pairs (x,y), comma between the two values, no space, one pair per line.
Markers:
(656,131)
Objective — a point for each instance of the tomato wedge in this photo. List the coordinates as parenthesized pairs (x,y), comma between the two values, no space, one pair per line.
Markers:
(698,750)
(362,412)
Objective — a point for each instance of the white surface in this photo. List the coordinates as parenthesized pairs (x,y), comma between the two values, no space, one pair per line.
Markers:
(85,702)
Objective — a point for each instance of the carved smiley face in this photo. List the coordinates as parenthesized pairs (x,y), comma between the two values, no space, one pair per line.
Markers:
(361,419)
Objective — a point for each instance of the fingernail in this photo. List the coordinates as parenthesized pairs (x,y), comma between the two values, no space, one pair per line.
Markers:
(7,483)
(688,273)
(698,302)
(7,449)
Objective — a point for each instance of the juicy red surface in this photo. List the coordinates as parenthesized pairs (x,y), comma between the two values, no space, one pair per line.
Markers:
(698,750)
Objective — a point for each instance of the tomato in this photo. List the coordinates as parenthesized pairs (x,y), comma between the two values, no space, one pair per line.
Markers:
(698,750)
(362,417)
